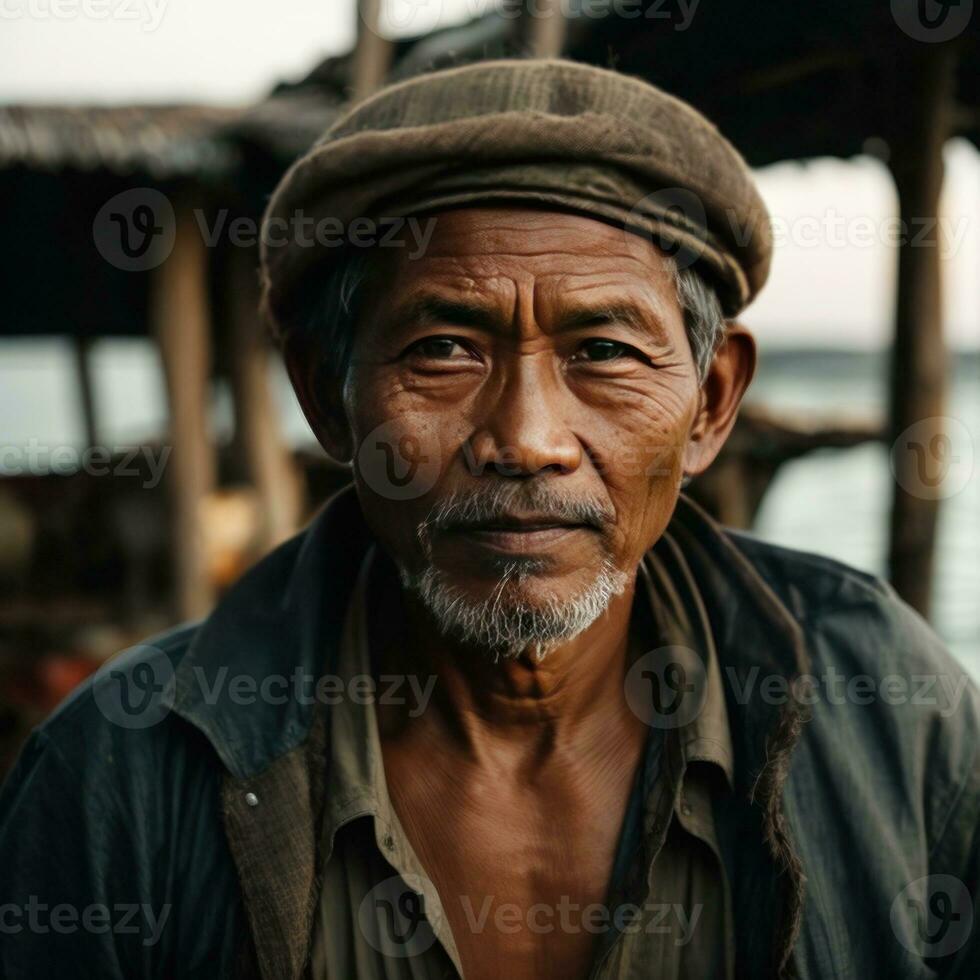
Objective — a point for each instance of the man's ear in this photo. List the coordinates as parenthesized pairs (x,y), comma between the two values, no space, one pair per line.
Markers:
(321,397)
(729,375)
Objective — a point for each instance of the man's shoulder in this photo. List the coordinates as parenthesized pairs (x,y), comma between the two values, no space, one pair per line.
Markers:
(132,690)
(113,799)
(119,722)
(810,584)
(856,625)
(859,611)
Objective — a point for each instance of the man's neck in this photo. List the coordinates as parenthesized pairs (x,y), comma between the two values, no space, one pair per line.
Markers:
(570,701)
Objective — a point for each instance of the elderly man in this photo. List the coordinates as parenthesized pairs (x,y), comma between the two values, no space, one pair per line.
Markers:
(513,706)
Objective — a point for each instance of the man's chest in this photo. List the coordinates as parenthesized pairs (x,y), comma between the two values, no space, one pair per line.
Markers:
(522,877)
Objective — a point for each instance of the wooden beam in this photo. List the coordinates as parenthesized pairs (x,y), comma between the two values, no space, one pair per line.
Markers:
(180,314)
(919,363)
(373,54)
(760,445)
(268,462)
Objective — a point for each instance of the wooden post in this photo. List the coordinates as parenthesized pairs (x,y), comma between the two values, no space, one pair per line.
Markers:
(373,53)
(86,388)
(180,313)
(544,28)
(268,462)
(919,364)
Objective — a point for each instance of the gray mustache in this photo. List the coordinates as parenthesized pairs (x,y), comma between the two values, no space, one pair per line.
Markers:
(490,502)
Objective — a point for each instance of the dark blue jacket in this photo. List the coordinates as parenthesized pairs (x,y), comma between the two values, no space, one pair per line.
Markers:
(155,826)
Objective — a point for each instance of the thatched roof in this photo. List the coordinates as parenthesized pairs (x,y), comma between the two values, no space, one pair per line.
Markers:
(791,81)
(782,81)
(159,141)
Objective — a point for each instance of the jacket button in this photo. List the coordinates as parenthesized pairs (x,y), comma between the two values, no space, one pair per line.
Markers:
(251,799)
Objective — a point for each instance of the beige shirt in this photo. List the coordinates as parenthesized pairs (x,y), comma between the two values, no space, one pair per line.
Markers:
(379,915)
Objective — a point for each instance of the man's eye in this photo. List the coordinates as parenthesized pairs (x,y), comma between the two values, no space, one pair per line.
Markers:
(438,348)
(604,350)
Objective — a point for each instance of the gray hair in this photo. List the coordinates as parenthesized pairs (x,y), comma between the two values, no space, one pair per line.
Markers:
(331,325)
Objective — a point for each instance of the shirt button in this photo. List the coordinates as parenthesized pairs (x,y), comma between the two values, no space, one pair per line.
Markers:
(389,842)
(686,808)
(251,799)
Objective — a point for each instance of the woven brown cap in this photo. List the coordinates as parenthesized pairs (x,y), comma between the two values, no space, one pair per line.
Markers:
(545,133)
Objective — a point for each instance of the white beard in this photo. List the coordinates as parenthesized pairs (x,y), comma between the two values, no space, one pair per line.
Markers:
(504,624)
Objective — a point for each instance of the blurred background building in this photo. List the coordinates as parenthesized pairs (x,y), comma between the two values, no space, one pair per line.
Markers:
(151,448)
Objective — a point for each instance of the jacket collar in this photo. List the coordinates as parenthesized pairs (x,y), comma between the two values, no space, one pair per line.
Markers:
(247,679)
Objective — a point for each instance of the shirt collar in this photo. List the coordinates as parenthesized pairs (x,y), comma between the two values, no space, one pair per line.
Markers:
(357,785)
(672,593)
(356,781)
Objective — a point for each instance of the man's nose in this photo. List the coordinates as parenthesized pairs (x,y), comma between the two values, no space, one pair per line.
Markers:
(522,427)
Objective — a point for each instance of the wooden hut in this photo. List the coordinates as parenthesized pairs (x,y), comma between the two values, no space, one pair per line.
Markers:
(782,82)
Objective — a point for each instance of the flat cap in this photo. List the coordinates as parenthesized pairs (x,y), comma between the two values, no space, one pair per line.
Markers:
(539,132)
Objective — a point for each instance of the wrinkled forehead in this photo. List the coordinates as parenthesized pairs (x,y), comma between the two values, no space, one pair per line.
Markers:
(497,265)
(472,243)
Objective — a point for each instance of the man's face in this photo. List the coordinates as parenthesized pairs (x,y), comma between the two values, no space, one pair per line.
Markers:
(530,377)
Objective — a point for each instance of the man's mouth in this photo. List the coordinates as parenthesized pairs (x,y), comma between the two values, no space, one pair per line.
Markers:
(519,533)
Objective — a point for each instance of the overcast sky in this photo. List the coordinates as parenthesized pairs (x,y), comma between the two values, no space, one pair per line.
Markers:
(834,273)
